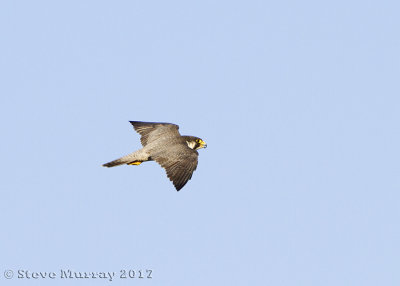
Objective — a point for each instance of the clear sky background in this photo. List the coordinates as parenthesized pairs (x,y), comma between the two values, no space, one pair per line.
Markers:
(297,100)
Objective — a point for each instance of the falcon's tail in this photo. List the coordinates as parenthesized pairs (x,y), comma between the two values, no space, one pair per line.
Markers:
(114,163)
(131,159)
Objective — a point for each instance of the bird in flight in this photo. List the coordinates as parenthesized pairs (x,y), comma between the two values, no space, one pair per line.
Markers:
(163,143)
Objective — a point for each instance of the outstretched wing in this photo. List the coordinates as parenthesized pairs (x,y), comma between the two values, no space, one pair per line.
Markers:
(179,162)
(151,131)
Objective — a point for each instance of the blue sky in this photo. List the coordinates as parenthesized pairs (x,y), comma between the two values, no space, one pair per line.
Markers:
(298,102)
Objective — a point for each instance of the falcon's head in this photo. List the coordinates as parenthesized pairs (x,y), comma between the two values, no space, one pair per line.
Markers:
(195,143)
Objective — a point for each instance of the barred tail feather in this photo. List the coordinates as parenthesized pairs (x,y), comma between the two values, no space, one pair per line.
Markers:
(114,163)
(120,161)
(134,158)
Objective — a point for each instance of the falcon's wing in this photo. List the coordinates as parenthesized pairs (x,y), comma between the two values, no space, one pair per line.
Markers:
(151,131)
(179,161)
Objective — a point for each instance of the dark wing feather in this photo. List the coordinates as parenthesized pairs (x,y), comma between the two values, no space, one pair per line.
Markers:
(151,131)
(179,161)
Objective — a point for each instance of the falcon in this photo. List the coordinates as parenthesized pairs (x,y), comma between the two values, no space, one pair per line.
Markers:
(163,143)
